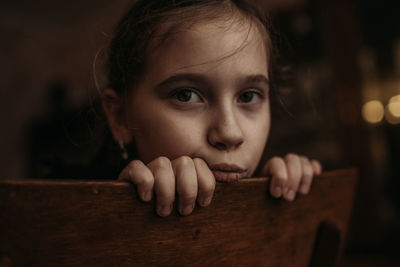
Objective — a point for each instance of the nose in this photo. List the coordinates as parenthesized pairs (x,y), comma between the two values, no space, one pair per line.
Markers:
(225,132)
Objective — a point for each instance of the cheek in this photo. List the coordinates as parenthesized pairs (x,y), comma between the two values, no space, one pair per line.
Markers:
(260,124)
(258,139)
(258,135)
(164,134)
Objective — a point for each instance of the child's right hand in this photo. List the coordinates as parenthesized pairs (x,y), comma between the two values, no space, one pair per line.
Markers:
(191,178)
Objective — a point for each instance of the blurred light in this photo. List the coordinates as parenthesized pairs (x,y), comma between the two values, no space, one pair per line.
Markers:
(390,118)
(373,111)
(395,98)
(394,106)
(392,113)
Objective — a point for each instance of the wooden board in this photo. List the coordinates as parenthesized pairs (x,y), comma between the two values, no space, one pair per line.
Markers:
(66,223)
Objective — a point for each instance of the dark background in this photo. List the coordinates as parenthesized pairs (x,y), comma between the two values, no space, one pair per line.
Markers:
(341,55)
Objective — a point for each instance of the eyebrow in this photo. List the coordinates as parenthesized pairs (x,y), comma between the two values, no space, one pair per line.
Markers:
(183,77)
(198,78)
(258,79)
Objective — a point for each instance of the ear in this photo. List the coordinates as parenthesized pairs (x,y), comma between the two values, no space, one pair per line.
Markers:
(113,107)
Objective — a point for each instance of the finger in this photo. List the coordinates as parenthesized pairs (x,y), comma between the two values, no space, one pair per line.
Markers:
(293,167)
(276,168)
(206,182)
(317,167)
(164,185)
(186,184)
(307,176)
(140,175)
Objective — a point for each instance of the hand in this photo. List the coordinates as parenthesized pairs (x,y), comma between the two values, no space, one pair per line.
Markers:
(191,178)
(290,175)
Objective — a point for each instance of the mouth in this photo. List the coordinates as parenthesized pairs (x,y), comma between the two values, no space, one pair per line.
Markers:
(227,172)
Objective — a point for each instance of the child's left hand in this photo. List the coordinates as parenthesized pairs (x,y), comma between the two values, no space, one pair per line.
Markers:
(291,174)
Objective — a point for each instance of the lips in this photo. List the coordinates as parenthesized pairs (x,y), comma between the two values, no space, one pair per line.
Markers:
(227,172)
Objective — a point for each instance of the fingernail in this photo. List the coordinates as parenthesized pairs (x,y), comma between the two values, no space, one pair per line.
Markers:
(290,195)
(163,210)
(303,189)
(186,210)
(277,191)
(205,202)
(146,196)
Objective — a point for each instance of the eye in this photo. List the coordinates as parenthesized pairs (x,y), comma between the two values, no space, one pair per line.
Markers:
(249,97)
(187,95)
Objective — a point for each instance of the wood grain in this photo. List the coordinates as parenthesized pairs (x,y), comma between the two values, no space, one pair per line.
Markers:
(68,223)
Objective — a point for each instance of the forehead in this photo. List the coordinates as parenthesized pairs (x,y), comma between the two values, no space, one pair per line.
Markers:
(208,44)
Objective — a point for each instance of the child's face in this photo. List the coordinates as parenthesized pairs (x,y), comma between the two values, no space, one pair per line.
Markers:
(205,94)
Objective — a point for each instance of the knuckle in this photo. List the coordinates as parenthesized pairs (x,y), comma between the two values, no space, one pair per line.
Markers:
(134,164)
(291,156)
(281,176)
(276,159)
(184,161)
(278,171)
(161,162)
(274,164)
(147,180)
(199,161)
(304,160)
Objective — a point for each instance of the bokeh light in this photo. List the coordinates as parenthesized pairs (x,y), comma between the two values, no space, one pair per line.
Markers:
(394,106)
(392,112)
(373,111)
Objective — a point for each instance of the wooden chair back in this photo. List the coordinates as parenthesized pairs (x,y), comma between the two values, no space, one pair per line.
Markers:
(75,223)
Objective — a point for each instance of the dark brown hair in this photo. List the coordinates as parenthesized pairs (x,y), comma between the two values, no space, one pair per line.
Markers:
(141,26)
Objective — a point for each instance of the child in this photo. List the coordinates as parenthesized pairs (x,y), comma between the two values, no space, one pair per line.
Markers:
(189,86)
